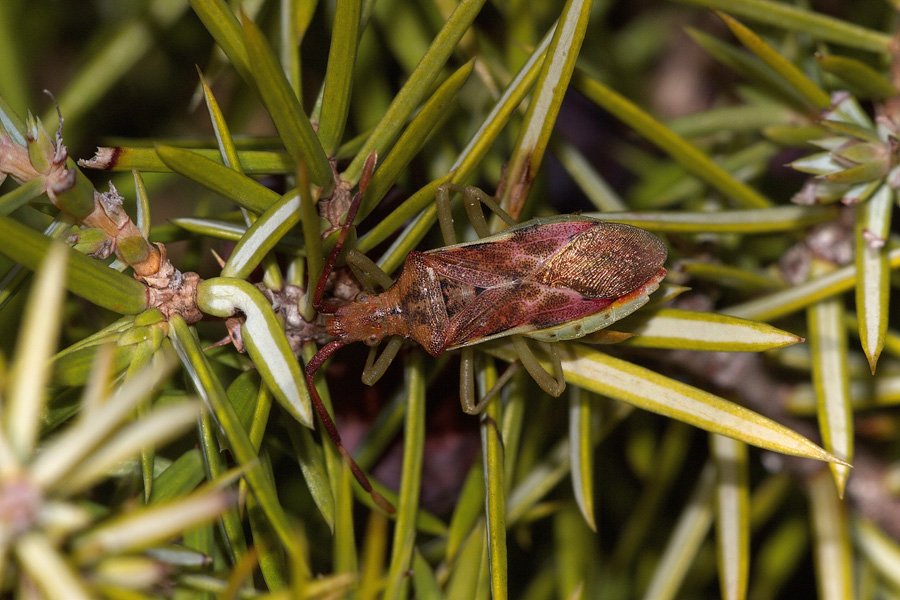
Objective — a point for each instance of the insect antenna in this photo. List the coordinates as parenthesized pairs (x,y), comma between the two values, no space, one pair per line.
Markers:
(368,169)
(331,429)
(322,355)
(332,257)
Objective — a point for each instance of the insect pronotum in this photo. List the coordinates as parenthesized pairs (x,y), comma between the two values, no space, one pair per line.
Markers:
(551,279)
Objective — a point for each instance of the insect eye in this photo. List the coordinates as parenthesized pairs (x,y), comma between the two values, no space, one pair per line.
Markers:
(372,340)
(362,297)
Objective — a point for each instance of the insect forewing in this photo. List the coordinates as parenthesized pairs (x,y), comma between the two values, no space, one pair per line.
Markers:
(547,276)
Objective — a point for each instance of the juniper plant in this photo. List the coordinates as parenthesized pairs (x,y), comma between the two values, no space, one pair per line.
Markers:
(102,475)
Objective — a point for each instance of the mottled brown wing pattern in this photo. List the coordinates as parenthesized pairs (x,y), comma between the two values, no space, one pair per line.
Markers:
(513,255)
(537,277)
(534,276)
(520,304)
(608,260)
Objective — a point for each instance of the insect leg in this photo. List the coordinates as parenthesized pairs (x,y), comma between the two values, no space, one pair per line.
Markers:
(551,385)
(560,383)
(472,196)
(326,351)
(328,423)
(467,359)
(473,212)
(374,369)
(467,383)
(365,269)
(445,216)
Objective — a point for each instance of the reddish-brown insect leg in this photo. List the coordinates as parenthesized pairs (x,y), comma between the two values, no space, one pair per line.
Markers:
(312,366)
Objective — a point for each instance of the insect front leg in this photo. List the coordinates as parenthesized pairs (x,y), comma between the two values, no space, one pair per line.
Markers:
(365,269)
